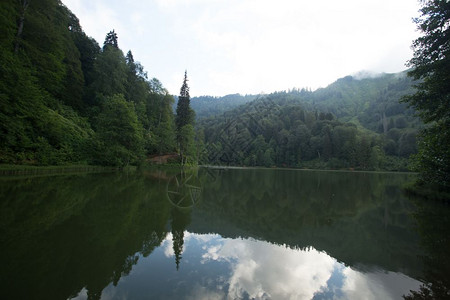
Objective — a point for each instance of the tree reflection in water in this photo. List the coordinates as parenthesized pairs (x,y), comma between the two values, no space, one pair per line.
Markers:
(433,225)
(64,234)
(85,235)
(180,221)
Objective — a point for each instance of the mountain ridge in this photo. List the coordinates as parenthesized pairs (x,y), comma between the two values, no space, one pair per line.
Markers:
(336,98)
(303,128)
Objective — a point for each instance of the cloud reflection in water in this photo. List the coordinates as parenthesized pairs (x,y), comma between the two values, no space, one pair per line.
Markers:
(260,270)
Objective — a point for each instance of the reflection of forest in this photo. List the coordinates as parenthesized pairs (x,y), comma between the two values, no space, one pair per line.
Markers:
(433,224)
(361,219)
(64,233)
(61,234)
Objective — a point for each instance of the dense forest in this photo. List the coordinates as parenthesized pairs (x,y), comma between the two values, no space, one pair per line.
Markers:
(207,106)
(431,68)
(352,123)
(66,99)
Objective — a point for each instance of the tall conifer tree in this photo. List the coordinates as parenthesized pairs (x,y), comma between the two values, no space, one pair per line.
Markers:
(111,39)
(184,121)
(184,111)
(431,67)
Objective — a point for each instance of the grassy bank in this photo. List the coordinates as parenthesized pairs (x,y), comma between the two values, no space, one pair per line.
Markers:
(7,170)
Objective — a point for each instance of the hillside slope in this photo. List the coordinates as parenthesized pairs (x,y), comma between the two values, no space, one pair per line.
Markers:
(64,99)
(353,123)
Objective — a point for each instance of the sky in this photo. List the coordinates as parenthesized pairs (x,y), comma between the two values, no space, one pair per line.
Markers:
(255,46)
(213,267)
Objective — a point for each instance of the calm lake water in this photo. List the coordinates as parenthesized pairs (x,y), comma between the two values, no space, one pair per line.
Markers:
(219,234)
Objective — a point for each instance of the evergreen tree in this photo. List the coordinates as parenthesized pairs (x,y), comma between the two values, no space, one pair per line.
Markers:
(185,115)
(431,65)
(180,220)
(110,72)
(164,129)
(136,87)
(111,40)
(130,58)
(184,122)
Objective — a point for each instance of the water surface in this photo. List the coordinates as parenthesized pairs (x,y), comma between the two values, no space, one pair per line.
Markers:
(217,234)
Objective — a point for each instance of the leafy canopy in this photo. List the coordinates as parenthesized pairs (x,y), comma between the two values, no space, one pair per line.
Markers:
(431,65)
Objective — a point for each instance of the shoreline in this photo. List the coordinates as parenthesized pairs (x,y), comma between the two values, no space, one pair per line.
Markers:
(218,167)
(14,170)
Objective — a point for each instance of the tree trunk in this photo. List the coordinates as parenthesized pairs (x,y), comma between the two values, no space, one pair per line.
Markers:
(24,5)
(385,123)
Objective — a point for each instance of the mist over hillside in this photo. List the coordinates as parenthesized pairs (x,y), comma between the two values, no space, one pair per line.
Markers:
(365,98)
(356,122)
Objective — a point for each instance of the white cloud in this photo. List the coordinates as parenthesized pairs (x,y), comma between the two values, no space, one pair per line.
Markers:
(376,285)
(202,293)
(167,245)
(263,270)
(82,295)
(260,270)
(248,46)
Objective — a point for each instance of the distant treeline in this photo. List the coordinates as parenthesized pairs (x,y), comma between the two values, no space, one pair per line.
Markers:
(350,124)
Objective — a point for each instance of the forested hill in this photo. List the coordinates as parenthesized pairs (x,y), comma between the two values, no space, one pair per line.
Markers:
(206,106)
(66,99)
(353,123)
(371,101)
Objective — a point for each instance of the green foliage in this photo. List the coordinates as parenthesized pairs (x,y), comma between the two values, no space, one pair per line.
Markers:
(111,72)
(433,159)
(89,50)
(356,122)
(125,217)
(119,132)
(118,214)
(185,114)
(39,124)
(432,223)
(431,62)
(111,40)
(187,144)
(164,133)
(321,209)
(431,67)
(184,121)
(207,106)
(160,124)
(63,99)
(279,130)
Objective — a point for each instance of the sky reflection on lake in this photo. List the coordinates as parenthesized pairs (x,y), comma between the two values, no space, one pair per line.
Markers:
(213,267)
(253,234)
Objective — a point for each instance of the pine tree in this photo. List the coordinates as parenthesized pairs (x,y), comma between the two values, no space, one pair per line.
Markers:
(185,114)
(110,68)
(431,67)
(130,58)
(184,122)
(111,39)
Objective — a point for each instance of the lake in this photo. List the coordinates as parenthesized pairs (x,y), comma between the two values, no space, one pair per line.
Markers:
(220,234)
